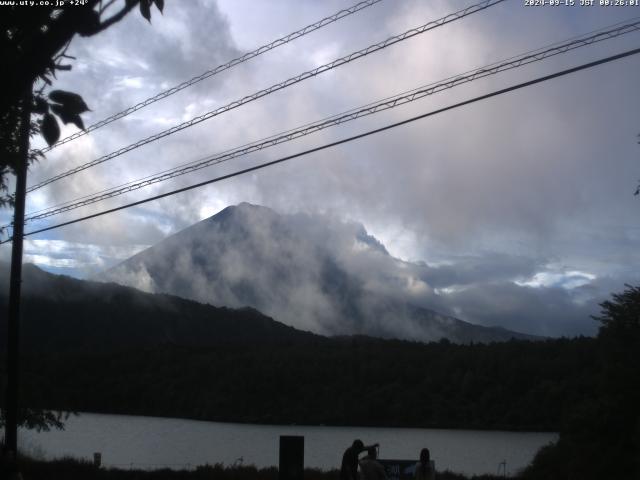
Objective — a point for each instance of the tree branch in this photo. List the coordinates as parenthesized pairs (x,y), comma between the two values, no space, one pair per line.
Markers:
(104,9)
(61,30)
(130,5)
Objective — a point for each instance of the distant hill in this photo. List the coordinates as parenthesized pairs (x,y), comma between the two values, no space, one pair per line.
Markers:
(308,271)
(90,346)
(62,314)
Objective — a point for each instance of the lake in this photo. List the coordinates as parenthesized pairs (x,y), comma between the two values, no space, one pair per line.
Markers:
(150,442)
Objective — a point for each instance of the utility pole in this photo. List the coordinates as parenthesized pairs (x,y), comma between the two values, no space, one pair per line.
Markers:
(503,464)
(13,324)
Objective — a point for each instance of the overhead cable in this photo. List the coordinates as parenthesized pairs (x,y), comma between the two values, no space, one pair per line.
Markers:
(340,142)
(372,108)
(276,87)
(220,68)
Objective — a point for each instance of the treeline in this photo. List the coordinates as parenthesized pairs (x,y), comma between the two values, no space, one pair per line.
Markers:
(600,435)
(517,385)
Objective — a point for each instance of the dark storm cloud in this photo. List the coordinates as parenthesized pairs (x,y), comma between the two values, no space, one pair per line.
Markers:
(490,267)
(545,311)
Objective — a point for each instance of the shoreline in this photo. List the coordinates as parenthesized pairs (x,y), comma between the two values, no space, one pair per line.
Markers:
(303,425)
(179,443)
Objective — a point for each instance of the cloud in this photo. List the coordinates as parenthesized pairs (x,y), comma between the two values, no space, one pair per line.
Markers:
(546,311)
(485,195)
(320,273)
(76,258)
(567,280)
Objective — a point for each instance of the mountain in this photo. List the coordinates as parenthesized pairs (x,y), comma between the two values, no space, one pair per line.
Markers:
(62,314)
(312,272)
(101,347)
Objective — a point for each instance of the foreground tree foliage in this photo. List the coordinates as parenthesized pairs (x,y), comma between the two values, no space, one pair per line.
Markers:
(601,437)
(33,46)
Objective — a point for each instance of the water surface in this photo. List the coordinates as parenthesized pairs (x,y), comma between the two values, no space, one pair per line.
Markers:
(151,442)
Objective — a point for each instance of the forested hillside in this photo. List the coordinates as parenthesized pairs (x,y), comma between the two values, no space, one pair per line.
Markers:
(64,314)
(351,381)
(98,347)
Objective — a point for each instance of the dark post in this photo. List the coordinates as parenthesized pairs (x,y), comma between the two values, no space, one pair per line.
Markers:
(291,458)
(13,324)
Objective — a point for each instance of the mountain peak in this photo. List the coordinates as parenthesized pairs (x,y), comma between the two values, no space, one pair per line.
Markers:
(241,213)
(313,272)
(243,207)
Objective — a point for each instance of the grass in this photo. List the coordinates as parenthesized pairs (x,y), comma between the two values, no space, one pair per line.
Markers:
(74,469)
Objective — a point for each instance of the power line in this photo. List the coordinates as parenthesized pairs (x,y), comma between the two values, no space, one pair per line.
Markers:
(278,86)
(603,33)
(372,108)
(220,68)
(340,142)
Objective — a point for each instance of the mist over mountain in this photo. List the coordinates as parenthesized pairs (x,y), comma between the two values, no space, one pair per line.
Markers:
(311,272)
(62,314)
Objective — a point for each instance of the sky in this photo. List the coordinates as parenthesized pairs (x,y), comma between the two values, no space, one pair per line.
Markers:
(526,199)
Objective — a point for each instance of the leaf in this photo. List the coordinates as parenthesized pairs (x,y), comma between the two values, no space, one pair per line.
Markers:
(41,106)
(160,5)
(145,9)
(89,23)
(67,116)
(77,121)
(72,102)
(50,129)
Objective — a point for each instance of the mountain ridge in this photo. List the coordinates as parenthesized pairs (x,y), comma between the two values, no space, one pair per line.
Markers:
(61,313)
(308,271)
(90,346)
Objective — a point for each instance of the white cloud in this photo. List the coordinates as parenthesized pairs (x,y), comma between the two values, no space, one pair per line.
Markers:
(568,279)
(76,258)
(45,261)
(130,82)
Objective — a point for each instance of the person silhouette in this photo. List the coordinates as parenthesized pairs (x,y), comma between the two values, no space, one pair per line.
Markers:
(371,468)
(424,468)
(349,467)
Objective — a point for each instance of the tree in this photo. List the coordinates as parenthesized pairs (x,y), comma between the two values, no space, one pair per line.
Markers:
(33,46)
(620,317)
(40,420)
(600,438)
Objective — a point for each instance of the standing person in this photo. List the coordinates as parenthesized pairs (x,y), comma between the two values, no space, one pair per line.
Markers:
(370,468)
(349,468)
(424,468)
